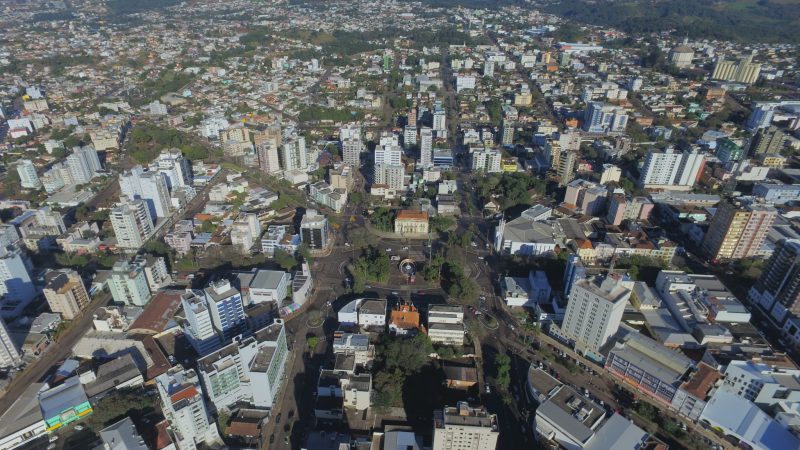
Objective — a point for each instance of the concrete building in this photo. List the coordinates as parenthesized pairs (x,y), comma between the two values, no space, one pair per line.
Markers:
(314,230)
(565,169)
(83,164)
(464,427)
(184,408)
(224,303)
(65,293)
(262,286)
(770,140)
(729,151)
(621,208)
(338,390)
(586,197)
(351,151)
(603,118)
(122,435)
(64,404)
(594,312)
(175,167)
(486,160)
(28,178)
(409,222)
(737,231)
(777,194)
(16,287)
(681,56)
(248,372)
(132,223)
(742,71)
(9,353)
(777,291)
(611,174)
(446,325)
(670,169)
(128,283)
(149,186)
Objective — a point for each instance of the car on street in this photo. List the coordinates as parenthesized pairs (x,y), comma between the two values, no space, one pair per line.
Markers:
(347,244)
(388,250)
(473,244)
(395,293)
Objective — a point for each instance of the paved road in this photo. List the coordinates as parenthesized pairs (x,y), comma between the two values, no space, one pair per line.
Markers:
(55,353)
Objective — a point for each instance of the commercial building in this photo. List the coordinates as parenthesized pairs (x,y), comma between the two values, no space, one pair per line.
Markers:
(28,178)
(777,194)
(464,427)
(183,406)
(132,223)
(261,286)
(737,231)
(64,404)
(22,423)
(408,222)
(65,293)
(122,435)
(446,325)
(594,312)
(366,313)
(214,316)
(524,236)
(128,283)
(248,372)
(314,230)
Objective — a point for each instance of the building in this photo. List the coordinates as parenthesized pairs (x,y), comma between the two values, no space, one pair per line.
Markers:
(486,160)
(83,164)
(351,151)
(366,313)
(175,167)
(408,222)
(9,353)
(28,178)
(729,151)
(64,404)
(748,379)
(128,283)
(132,223)
(777,194)
(507,137)
(446,325)
(404,320)
(149,186)
(122,435)
(65,293)
(611,174)
(464,427)
(524,236)
(565,169)
(342,177)
(621,208)
(669,169)
(410,135)
(777,291)
(737,231)
(603,118)
(22,423)
(743,71)
(769,141)
(261,286)
(425,147)
(337,390)
(594,312)
(586,197)
(248,372)
(183,406)
(681,56)
(314,230)
(16,288)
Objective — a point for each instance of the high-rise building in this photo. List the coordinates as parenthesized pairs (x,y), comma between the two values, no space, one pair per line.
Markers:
(351,151)
(486,160)
(488,68)
(762,115)
(250,371)
(183,407)
(508,132)
(665,168)
(314,229)
(743,71)
(602,118)
(83,163)
(565,170)
(149,186)
(388,168)
(226,308)
(729,151)
(9,354)
(777,291)
(439,120)
(350,131)
(27,174)
(737,231)
(594,311)
(175,167)
(128,283)
(293,153)
(16,288)
(621,208)
(410,135)
(575,271)
(65,293)
(268,160)
(769,141)
(464,427)
(425,147)
(199,327)
(131,223)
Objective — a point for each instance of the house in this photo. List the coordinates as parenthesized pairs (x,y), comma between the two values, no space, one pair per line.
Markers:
(446,325)
(339,390)
(408,222)
(460,375)
(404,321)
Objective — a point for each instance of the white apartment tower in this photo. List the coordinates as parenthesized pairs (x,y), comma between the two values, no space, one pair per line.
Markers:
(9,354)
(594,312)
(464,427)
(128,283)
(293,154)
(670,168)
(183,406)
(27,174)
(83,163)
(131,223)
(426,147)
(148,186)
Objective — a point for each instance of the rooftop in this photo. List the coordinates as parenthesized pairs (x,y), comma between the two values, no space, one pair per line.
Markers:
(573,413)
(407,214)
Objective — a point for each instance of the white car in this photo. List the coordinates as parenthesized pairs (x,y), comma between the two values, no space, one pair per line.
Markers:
(347,244)
(473,244)
(388,250)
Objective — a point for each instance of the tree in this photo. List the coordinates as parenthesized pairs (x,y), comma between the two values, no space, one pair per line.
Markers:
(502,364)
(305,252)
(407,355)
(312,343)
(283,259)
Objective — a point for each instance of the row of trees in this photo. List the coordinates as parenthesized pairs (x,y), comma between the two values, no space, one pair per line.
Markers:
(398,359)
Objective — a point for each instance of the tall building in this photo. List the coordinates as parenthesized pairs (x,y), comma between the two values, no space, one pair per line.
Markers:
(9,354)
(565,170)
(602,118)
(83,163)
(488,68)
(594,311)
(426,147)
(508,132)
(199,327)
(777,291)
(742,71)
(16,288)
(175,167)
(621,208)
(128,283)
(352,149)
(131,223)
(314,229)
(464,427)
(486,160)
(388,168)
(149,186)
(183,407)
(293,153)
(668,168)
(769,141)
(250,371)
(226,308)
(268,160)
(729,151)
(439,121)
(762,115)
(27,174)
(65,293)
(409,135)
(737,231)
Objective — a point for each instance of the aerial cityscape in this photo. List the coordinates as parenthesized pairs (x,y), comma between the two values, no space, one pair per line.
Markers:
(399,224)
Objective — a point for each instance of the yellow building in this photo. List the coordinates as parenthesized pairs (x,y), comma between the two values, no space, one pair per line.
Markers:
(737,231)
(508,165)
(774,161)
(523,98)
(411,222)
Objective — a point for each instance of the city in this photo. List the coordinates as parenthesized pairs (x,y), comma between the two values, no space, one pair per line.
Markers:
(416,225)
